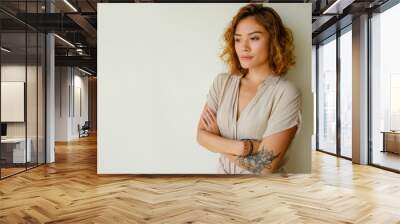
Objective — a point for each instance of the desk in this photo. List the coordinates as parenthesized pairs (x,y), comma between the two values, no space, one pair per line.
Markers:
(391,141)
(15,148)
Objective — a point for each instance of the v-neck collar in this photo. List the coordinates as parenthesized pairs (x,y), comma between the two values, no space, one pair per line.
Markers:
(266,80)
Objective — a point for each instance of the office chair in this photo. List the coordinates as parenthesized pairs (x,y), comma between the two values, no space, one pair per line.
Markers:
(84,130)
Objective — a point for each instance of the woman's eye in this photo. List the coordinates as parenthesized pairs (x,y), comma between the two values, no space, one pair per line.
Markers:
(254,38)
(237,40)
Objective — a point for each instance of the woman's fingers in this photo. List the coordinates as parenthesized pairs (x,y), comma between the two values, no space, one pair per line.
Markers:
(208,112)
(208,118)
(204,116)
(204,123)
(212,115)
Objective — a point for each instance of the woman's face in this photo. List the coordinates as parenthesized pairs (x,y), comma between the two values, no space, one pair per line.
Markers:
(251,43)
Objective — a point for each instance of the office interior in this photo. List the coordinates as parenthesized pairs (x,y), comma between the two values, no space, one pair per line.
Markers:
(48,81)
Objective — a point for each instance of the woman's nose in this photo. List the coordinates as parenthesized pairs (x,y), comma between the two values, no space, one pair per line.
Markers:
(246,46)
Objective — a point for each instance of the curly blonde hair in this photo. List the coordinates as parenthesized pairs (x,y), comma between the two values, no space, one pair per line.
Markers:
(281,48)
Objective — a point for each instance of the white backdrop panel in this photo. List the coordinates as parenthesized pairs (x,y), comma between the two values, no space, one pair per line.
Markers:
(156,63)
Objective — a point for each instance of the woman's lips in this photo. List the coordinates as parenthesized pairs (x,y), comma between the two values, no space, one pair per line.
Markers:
(246,58)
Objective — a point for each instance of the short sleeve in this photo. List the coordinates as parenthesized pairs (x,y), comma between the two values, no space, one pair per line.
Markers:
(285,112)
(214,91)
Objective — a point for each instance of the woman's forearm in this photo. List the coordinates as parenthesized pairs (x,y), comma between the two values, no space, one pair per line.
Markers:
(263,162)
(269,155)
(219,144)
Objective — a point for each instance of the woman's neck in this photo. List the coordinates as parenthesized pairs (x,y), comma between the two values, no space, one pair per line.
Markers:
(258,74)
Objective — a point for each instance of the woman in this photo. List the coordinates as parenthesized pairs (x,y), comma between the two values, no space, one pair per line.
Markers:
(252,114)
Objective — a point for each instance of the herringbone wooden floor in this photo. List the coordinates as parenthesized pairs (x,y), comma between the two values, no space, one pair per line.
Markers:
(70,191)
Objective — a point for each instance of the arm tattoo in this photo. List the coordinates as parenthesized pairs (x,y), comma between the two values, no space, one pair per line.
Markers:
(259,161)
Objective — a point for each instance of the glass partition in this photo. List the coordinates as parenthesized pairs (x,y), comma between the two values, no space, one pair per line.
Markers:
(41,87)
(32,95)
(14,154)
(22,77)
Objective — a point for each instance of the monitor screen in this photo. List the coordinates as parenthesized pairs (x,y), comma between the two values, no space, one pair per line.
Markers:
(3,129)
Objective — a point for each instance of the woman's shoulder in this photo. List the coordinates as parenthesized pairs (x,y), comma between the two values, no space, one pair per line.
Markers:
(287,87)
(222,78)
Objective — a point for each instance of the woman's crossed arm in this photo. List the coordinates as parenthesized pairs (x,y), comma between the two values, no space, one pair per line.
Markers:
(268,152)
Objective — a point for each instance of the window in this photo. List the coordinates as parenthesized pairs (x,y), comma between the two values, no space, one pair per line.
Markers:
(346,93)
(326,136)
(385,89)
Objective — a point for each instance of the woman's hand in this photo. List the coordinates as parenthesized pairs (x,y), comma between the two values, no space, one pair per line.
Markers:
(256,148)
(209,121)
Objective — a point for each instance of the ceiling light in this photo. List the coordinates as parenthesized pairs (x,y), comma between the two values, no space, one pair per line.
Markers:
(329,9)
(5,49)
(84,71)
(338,6)
(64,40)
(70,5)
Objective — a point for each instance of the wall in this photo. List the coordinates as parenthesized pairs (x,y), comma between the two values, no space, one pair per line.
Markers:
(71,102)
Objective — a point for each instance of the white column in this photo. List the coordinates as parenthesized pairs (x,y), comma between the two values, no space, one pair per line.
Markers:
(50,93)
(50,110)
(360,90)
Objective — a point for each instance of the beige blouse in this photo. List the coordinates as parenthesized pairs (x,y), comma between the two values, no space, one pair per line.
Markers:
(274,108)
